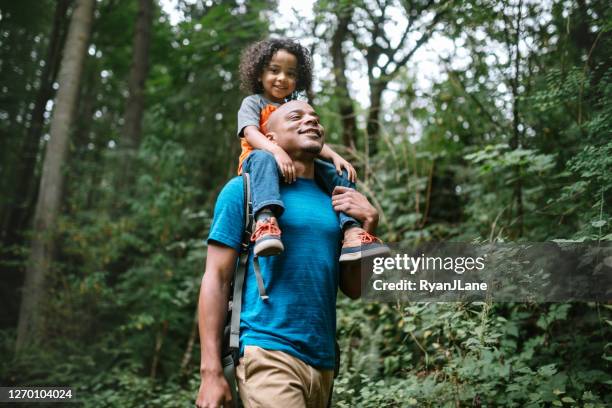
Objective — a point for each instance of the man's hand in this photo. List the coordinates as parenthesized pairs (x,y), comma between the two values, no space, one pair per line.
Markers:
(214,392)
(355,204)
(285,164)
(341,164)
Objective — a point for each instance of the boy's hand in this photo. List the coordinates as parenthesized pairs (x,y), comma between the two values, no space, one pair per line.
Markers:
(340,164)
(285,164)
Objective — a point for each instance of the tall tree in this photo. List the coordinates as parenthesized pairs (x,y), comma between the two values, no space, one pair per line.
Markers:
(513,41)
(384,56)
(134,107)
(51,183)
(345,103)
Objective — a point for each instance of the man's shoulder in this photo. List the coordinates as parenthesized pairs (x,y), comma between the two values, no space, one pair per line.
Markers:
(232,190)
(226,227)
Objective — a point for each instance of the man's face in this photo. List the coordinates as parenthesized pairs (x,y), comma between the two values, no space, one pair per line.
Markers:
(297,129)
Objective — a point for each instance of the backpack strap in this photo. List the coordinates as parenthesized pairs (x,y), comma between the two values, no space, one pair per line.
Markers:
(241,264)
(246,241)
(260,283)
(248,214)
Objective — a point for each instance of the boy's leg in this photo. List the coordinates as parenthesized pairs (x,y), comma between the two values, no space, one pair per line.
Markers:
(264,182)
(328,178)
(267,203)
(357,242)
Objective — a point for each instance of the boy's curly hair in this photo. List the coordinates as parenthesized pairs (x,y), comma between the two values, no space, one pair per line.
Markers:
(258,55)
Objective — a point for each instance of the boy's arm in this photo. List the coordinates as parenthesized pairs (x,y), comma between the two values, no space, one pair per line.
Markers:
(327,153)
(212,310)
(261,142)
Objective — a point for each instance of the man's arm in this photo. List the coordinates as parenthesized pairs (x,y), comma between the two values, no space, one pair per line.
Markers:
(212,310)
(356,205)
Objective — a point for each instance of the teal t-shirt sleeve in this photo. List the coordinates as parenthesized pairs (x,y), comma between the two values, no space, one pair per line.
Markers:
(228,218)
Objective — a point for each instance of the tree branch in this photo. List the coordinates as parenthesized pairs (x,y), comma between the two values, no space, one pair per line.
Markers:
(455,79)
(424,38)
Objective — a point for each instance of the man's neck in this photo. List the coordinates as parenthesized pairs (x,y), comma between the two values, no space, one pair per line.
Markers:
(304,169)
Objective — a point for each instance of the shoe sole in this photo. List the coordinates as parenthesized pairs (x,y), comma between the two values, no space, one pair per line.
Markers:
(368,253)
(269,247)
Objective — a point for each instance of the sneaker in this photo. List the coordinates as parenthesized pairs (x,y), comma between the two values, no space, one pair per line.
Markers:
(359,244)
(267,238)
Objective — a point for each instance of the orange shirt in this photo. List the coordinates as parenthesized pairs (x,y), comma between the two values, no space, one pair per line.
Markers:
(244,145)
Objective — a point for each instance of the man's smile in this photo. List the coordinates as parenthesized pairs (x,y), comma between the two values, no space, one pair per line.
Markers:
(311,132)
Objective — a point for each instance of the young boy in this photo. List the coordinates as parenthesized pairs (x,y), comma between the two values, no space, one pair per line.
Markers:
(274,70)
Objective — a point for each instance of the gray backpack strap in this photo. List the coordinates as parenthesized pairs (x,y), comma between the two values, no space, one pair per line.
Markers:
(237,304)
(229,371)
(259,278)
(242,264)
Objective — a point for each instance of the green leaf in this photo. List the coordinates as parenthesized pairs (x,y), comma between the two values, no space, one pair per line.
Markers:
(547,370)
(557,391)
(568,399)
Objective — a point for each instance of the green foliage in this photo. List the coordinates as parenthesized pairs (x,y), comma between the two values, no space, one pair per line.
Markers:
(459,180)
(450,355)
(487,153)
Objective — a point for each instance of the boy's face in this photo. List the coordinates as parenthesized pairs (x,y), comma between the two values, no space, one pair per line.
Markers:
(280,76)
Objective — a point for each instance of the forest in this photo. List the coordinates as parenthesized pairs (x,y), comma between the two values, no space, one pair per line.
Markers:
(485,121)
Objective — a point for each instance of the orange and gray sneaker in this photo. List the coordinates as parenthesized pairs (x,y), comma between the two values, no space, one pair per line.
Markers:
(267,238)
(359,244)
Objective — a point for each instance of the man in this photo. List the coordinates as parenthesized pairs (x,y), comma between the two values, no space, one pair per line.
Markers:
(287,341)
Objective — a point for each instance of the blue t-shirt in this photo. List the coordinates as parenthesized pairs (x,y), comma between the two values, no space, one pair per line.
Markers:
(299,317)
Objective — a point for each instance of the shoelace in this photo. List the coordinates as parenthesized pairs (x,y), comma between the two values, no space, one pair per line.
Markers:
(265,227)
(367,238)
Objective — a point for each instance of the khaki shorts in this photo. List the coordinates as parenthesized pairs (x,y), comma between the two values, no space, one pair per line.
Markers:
(268,378)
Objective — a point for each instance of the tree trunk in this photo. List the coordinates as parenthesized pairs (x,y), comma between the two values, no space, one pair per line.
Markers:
(132,127)
(82,136)
(515,142)
(18,217)
(582,36)
(373,128)
(313,47)
(345,103)
(159,341)
(51,183)
(189,350)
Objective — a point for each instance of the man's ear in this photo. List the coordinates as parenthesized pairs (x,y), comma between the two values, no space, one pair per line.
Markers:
(271,137)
